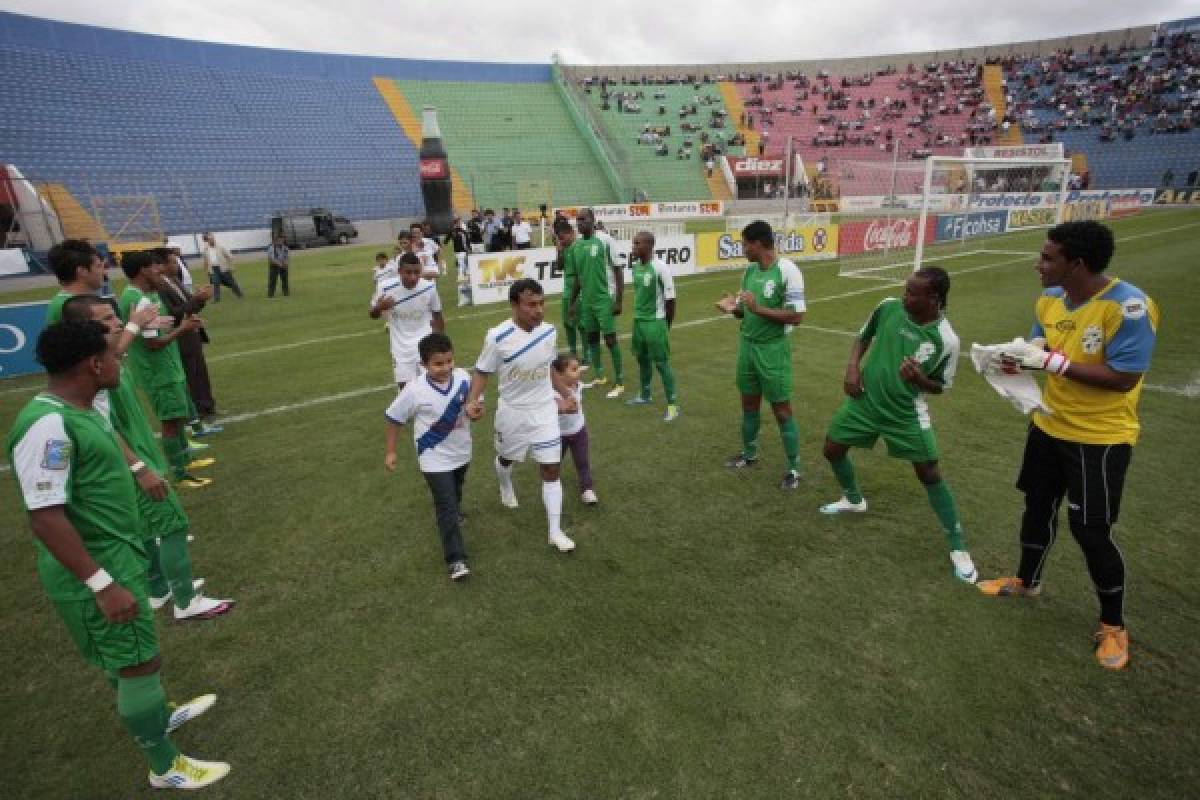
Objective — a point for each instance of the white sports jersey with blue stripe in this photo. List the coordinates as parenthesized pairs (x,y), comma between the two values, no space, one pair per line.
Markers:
(441,431)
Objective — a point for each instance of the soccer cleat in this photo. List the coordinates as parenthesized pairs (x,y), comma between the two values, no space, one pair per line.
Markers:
(181,713)
(1112,646)
(791,480)
(964,567)
(200,463)
(459,570)
(740,461)
(508,498)
(842,505)
(201,430)
(615,392)
(1008,586)
(672,413)
(158,602)
(196,447)
(601,381)
(640,400)
(589,498)
(561,541)
(189,773)
(189,481)
(203,607)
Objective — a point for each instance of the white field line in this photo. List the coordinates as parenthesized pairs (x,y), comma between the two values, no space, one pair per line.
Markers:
(861,273)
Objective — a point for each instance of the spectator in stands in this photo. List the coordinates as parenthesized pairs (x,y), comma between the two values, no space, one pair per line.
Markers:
(279,260)
(521,232)
(218,263)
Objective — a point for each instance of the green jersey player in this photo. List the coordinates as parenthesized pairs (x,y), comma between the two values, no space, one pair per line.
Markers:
(564,237)
(591,303)
(771,300)
(653,314)
(913,352)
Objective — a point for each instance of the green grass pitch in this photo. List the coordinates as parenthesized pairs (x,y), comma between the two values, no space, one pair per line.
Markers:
(712,637)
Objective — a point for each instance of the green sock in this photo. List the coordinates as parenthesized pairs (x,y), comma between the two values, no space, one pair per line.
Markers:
(176,565)
(572,339)
(790,433)
(947,513)
(142,706)
(645,375)
(158,580)
(618,368)
(597,362)
(176,449)
(668,379)
(750,423)
(843,470)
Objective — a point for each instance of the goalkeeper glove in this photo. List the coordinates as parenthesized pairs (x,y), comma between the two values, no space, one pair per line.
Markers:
(1028,355)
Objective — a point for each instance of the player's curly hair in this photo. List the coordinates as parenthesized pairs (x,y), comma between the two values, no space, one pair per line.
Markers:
(1085,239)
(759,231)
(939,281)
(520,287)
(64,344)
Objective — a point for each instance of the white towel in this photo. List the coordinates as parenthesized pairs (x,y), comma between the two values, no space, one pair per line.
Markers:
(1020,389)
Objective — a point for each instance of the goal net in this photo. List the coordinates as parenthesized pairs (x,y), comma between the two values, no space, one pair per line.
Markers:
(952,212)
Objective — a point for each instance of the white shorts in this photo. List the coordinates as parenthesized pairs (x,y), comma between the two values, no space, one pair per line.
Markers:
(406,366)
(520,431)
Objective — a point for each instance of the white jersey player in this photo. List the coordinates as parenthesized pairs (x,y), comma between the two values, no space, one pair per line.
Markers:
(427,251)
(519,352)
(413,310)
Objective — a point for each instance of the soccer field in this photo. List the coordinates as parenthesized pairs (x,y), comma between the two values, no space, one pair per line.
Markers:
(712,636)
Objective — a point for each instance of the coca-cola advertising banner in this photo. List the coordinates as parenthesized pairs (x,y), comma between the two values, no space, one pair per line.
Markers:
(755,167)
(434,168)
(881,234)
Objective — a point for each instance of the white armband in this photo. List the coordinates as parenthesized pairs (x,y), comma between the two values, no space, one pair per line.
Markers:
(100,581)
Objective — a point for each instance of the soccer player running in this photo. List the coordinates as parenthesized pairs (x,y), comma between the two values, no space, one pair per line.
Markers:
(81,498)
(913,352)
(165,525)
(413,311)
(521,351)
(771,300)
(1093,336)
(156,363)
(653,314)
(592,304)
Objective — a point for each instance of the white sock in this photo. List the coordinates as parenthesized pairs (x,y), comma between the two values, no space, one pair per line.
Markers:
(504,475)
(552,499)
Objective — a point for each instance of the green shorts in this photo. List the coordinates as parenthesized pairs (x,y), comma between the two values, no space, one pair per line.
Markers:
(109,646)
(857,424)
(765,369)
(597,315)
(170,401)
(163,517)
(650,341)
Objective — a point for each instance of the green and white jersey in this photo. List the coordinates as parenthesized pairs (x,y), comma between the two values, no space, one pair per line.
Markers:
(653,286)
(892,337)
(123,410)
(66,456)
(54,308)
(779,286)
(589,263)
(161,367)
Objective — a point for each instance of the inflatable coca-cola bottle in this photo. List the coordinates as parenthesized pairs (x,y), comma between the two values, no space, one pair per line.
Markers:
(435,174)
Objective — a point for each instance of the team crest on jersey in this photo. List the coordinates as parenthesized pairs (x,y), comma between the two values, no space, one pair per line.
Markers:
(1093,339)
(57,455)
(1064,325)
(924,352)
(769,289)
(1133,308)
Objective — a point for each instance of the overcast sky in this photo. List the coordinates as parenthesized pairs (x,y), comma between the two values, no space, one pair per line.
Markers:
(612,31)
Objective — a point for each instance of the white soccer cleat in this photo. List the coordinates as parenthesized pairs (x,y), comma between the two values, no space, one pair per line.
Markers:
(203,607)
(508,498)
(589,498)
(190,710)
(190,773)
(964,567)
(844,506)
(561,541)
(616,391)
(158,602)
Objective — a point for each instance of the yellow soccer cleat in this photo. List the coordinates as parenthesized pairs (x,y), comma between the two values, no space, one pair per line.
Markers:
(189,773)
(201,463)
(1112,646)
(192,482)
(1008,586)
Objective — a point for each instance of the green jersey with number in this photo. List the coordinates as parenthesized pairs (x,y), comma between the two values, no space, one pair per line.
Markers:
(587,260)
(152,368)
(892,337)
(653,286)
(69,457)
(777,287)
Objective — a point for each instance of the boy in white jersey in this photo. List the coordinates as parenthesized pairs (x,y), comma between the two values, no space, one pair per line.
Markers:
(521,351)
(413,310)
(442,436)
